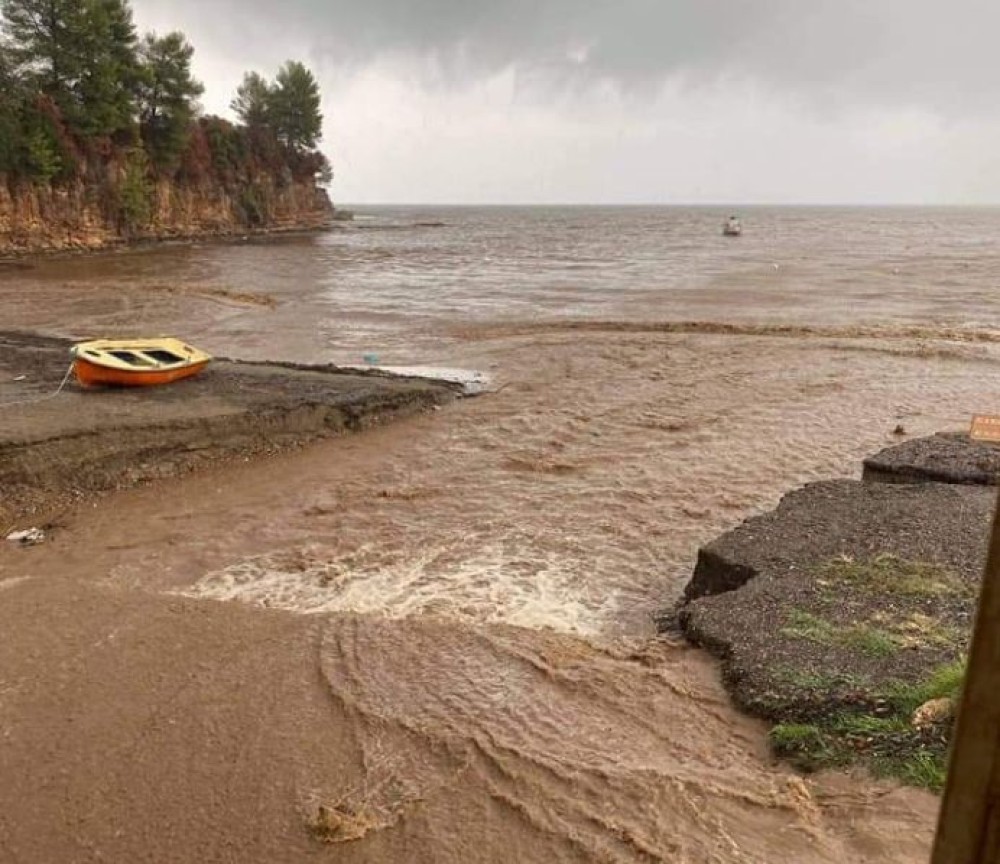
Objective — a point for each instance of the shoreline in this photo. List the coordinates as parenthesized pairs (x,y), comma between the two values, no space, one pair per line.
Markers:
(141,718)
(115,440)
(18,258)
(50,462)
(54,452)
(842,616)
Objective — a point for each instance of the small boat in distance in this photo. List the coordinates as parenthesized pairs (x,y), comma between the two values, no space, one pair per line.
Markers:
(135,362)
(732,227)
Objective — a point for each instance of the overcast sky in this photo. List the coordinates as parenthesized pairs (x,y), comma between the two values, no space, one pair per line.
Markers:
(628,101)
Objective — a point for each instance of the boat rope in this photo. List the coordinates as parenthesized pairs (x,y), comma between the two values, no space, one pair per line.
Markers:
(59,389)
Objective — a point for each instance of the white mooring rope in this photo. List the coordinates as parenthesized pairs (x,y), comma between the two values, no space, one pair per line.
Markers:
(59,390)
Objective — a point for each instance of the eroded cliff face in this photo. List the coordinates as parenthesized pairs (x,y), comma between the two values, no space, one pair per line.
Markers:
(81,215)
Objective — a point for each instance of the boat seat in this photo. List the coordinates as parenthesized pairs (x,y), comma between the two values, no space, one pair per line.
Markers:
(161,356)
(132,358)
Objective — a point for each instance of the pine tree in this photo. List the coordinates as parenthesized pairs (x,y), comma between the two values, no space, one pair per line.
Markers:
(80,53)
(167,95)
(11,103)
(295,107)
(252,104)
(105,91)
(45,39)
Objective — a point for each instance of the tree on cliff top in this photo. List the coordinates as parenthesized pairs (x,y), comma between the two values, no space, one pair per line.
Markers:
(252,105)
(44,39)
(295,107)
(79,93)
(167,93)
(80,53)
(290,106)
(11,100)
(110,69)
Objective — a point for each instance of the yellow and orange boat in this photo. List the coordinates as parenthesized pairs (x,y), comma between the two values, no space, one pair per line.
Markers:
(135,362)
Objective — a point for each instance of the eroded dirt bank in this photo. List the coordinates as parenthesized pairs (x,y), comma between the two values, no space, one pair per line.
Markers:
(55,449)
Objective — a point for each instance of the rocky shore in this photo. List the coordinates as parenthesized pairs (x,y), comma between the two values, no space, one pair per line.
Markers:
(74,218)
(843,615)
(55,450)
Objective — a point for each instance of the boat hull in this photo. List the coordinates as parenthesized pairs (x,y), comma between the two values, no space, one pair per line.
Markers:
(94,375)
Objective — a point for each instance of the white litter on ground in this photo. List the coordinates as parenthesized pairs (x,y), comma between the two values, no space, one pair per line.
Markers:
(28,537)
(473,382)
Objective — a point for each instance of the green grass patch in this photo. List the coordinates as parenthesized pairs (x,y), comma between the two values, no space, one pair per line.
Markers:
(807,746)
(870,641)
(820,680)
(944,682)
(920,630)
(867,725)
(804,625)
(889,574)
(863,650)
(924,768)
(881,737)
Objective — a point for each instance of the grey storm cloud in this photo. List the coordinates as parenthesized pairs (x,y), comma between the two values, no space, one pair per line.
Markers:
(920,52)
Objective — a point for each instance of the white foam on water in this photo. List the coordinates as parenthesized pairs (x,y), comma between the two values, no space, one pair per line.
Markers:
(489,587)
(13,582)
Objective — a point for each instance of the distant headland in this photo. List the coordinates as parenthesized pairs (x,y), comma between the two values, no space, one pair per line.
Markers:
(102,141)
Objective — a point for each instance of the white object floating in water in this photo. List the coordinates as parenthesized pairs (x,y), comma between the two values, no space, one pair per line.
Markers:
(28,537)
(21,378)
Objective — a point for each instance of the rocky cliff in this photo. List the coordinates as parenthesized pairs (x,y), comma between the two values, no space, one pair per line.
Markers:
(81,215)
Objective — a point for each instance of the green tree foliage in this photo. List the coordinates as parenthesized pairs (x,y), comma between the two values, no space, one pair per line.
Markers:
(44,154)
(227,146)
(135,194)
(252,105)
(41,155)
(167,94)
(45,39)
(83,97)
(295,107)
(106,91)
(11,103)
(80,53)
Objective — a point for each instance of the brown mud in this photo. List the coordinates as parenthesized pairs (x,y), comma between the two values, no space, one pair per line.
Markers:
(369,686)
(140,723)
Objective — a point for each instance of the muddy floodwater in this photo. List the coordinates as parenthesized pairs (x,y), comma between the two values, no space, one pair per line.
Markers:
(442,632)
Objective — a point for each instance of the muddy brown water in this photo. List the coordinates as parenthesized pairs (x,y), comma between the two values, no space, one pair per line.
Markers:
(443,631)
